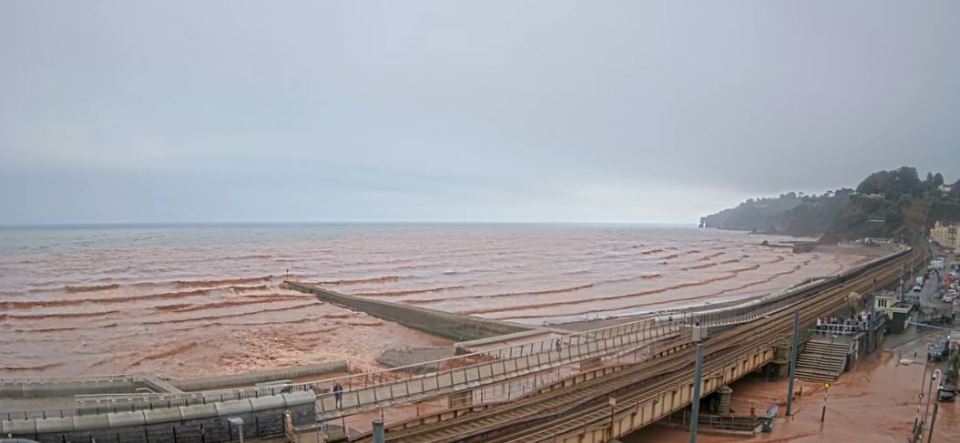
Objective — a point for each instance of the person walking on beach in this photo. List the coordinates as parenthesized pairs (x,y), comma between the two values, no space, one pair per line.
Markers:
(338,394)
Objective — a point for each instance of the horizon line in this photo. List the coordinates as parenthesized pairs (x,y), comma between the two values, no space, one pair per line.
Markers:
(263,223)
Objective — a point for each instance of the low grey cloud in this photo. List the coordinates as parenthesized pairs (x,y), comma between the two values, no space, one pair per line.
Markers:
(655,111)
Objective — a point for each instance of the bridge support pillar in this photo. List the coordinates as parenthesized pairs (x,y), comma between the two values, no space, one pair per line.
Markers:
(780,366)
(460,399)
(724,395)
(782,353)
(777,369)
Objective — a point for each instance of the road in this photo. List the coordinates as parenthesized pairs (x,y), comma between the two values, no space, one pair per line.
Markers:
(928,296)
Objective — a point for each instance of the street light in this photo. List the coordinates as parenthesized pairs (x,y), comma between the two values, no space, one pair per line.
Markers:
(823,412)
(933,378)
(916,420)
(932,421)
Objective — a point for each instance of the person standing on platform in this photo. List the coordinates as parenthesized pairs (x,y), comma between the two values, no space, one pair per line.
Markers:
(338,394)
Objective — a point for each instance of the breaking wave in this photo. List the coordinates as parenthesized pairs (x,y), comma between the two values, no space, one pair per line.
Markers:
(222,282)
(360,281)
(401,293)
(92,288)
(730,275)
(219,317)
(53,316)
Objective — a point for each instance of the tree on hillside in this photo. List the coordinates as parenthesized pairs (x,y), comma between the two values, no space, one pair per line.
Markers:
(938,180)
(894,204)
(892,184)
(876,183)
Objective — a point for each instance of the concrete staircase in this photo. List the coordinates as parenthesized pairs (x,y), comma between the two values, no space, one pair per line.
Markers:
(822,360)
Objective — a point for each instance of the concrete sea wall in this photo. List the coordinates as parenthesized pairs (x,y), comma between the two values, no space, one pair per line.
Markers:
(444,324)
(249,378)
(68,387)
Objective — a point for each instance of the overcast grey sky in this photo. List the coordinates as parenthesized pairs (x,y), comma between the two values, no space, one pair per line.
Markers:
(633,111)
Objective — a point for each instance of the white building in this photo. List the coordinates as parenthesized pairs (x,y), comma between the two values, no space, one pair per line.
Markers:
(946,236)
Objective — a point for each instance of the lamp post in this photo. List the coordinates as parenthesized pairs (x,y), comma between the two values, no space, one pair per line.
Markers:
(932,421)
(793,361)
(916,420)
(933,378)
(823,412)
(378,431)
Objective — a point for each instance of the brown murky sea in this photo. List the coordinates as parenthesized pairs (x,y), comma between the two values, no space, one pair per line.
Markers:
(197,301)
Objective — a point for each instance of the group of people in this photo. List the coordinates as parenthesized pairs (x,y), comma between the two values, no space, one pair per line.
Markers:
(841,325)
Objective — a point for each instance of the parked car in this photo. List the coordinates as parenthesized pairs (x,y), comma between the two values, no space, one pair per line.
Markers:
(936,351)
(947,393)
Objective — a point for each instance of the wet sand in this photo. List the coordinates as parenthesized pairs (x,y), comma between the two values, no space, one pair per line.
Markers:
(875,403)
(204,301)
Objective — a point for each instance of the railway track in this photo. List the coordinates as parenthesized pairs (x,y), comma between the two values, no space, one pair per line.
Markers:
(733,342)
(544,415)
(532,407)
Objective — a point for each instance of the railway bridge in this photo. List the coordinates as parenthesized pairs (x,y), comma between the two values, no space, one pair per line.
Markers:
(592,386)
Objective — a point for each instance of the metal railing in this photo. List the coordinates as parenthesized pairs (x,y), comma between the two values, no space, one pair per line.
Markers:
(753,309)
(854,328)
(80,379)
(398,385)
(728,422)
(509,367)
(45,413)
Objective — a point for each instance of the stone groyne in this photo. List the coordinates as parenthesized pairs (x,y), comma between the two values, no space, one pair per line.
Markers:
(456,327)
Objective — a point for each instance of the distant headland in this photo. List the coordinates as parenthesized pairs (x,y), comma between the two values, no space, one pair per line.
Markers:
(895,204)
